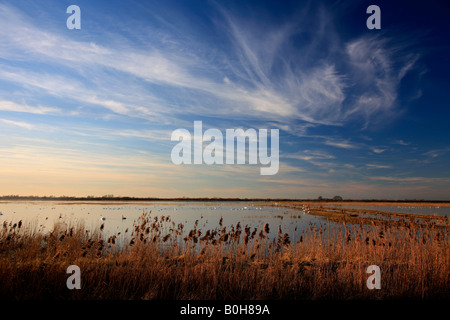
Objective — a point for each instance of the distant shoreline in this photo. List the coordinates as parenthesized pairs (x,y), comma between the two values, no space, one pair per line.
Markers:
(375,202)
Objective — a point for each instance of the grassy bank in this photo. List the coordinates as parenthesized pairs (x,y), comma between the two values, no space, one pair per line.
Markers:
(159,259)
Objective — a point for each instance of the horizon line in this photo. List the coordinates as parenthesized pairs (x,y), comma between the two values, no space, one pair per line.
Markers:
(183,198)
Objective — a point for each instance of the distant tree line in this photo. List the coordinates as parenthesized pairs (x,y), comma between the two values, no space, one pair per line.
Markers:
(111,197)
(335,198)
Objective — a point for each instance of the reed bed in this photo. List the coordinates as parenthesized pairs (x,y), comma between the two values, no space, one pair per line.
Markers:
(159,259)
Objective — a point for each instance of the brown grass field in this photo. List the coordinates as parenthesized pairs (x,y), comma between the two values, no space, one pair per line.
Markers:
(159,259)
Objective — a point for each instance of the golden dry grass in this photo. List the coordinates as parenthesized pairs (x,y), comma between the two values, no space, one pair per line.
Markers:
(159,259)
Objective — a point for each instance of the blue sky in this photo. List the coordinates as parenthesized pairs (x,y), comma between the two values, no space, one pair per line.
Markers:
(362,113)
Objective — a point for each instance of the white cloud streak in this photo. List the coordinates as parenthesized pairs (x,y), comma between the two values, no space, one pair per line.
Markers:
(312,92)
(20,124)
(15,107)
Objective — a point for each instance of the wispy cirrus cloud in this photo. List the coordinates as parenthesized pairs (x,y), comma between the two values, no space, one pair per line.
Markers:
(340,144)
(378,150)
(424,180)
(15,107)
(308,155)
(162,68)
(20,124)
(356,79)
(377,166)
(436,152)
(402,142)
(261,83)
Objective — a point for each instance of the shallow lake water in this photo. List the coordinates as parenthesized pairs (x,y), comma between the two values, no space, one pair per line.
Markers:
(118,216)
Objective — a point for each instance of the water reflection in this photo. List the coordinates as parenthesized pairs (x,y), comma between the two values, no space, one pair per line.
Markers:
(120,217)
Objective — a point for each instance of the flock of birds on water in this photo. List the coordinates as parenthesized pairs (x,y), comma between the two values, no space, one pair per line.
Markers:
(102,218)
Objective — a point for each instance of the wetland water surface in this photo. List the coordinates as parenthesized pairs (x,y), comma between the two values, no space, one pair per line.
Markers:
(118,216)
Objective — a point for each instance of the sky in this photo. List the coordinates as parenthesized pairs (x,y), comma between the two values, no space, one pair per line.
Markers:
(361,113)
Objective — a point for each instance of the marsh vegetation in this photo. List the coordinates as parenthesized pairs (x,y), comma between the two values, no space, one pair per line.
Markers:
(160,259)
